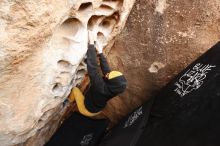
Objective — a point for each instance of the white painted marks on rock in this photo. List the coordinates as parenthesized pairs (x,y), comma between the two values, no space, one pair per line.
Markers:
(161,6)
(155,67)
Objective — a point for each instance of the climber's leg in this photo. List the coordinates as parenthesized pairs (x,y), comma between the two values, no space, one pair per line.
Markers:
(79,98)
(71,97)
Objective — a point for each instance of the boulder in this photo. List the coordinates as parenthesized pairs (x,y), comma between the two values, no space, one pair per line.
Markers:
(42,48)
(161,37)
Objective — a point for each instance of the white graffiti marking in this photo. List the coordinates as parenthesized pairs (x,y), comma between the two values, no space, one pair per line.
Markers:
(132,118)
(193,79)
(86,139)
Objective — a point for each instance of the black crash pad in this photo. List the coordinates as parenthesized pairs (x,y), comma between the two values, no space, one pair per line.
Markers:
(185,113)
(79,130)
(128,131)
(187,110)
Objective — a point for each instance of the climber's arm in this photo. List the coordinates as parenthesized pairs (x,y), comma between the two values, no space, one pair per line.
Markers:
(104,64)
(97,86)
(92,66)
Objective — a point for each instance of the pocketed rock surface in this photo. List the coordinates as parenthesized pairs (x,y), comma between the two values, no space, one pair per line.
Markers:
(42,48)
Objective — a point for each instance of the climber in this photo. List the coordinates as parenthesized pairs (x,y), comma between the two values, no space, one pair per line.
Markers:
(102,88)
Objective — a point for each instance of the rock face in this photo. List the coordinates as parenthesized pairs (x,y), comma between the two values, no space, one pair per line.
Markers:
(160,38)
(43,43)
(42,46)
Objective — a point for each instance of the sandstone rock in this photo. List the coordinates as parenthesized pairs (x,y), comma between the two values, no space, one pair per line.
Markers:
(160,38)
(42,46)
(43,42)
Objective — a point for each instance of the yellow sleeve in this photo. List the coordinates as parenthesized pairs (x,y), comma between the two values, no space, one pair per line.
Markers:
(71,97)
(79,98)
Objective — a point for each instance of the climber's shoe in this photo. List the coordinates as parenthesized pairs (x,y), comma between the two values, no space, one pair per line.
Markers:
(79,98)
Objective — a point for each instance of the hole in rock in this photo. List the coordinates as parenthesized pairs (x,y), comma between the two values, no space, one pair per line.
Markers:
(101,38)
(84,6)
(66,34)
(65,78)
(80,73)
(57,88)
(82,67)
(155,67)
(78,81)
(93,21)
(65,65)
(70,27)
(105,23)
(106,7)
(115,16)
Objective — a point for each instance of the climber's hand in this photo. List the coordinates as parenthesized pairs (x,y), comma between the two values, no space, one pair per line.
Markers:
(92,37)
(99,47)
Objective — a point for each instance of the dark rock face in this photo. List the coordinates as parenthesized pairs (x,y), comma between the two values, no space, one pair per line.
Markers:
(161,37)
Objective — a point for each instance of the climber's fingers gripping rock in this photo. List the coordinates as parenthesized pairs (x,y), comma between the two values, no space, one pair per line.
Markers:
(92,37)
(99,47)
